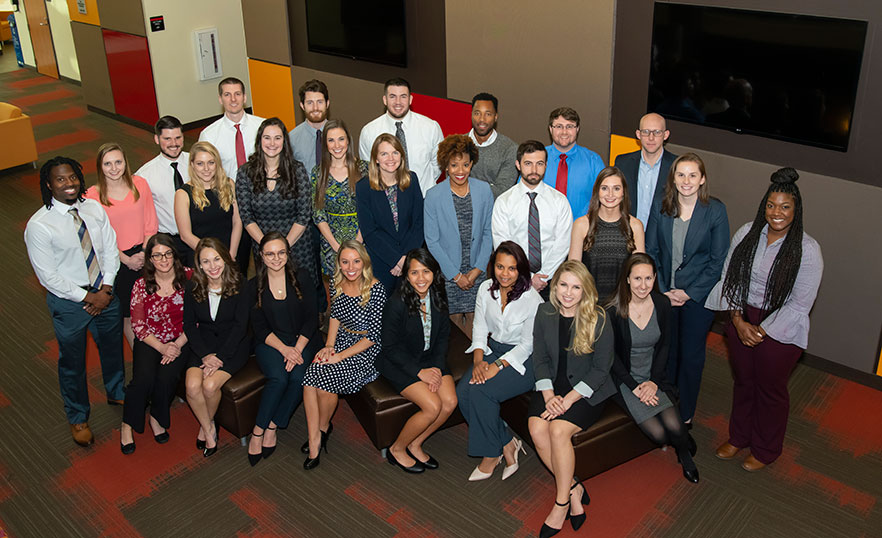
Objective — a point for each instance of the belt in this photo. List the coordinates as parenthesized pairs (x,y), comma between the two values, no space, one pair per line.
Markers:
(343,214)
(362,333)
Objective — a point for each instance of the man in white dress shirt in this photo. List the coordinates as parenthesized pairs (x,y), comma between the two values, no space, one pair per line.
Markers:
(166,172)
(72,248)
(515,218)
(419,134)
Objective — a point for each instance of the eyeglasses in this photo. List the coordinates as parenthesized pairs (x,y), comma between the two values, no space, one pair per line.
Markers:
(272,256)
(168,255)
(567,127)
(653,132)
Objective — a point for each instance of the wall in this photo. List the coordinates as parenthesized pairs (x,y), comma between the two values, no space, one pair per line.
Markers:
(24,34)
(62,40)
(179,92)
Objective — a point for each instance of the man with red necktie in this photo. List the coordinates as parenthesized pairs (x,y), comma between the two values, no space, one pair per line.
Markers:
(572,168)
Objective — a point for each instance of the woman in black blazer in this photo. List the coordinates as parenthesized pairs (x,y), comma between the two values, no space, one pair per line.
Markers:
(640,317)
(216,325)
(416,330)
(572,355)
(390,210)
(285,323)
(688,237)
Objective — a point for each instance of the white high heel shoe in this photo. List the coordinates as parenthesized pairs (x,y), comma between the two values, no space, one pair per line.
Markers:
(512,469)
(478,475)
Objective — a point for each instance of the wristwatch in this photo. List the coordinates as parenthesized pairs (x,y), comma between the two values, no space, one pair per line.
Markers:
(499,364)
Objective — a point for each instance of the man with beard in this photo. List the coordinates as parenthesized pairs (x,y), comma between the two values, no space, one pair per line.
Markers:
(572,168)
(418,134)
(535,216)
(496,152)
(306,138)
(166,172)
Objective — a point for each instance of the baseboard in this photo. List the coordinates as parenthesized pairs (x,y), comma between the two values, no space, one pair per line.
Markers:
(73,81)
(123,119)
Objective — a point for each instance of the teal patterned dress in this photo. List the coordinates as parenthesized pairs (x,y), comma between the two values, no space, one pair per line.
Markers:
(339,212)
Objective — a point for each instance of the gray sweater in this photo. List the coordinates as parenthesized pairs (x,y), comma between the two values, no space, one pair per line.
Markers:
(496,164)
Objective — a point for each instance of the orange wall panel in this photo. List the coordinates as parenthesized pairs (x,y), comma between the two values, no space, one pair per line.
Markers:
(91,16)
(272,93)
(621,144)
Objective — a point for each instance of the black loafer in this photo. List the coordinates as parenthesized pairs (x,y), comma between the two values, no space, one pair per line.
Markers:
(430,463)
(127,449)
(162,438)
(417,467)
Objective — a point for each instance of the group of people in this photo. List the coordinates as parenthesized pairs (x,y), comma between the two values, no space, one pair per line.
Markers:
(580,282)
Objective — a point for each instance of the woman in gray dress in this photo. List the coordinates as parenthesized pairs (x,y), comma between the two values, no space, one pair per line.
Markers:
(640,316)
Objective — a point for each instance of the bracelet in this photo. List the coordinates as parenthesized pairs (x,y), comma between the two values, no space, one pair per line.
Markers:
(457,277)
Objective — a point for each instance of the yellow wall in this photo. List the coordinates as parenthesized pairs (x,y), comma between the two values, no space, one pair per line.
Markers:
(271,91)
(91,16)
(62,40)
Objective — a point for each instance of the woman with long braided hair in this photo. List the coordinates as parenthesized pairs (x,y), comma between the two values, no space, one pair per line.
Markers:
(772,274)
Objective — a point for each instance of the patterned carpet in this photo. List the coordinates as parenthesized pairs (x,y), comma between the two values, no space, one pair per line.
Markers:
(827,484)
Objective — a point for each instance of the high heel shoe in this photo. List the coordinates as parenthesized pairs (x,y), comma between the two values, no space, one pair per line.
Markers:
(478,475)
(267,451)
(417,467)
(578,520)
(253,459)
(511,469)
(210,451)
(548,532)
(304,448)
(311,463)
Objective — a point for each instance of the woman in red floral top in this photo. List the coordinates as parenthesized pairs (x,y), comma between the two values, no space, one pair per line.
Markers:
(157,321)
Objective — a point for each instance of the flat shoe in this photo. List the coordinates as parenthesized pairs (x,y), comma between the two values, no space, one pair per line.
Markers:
(127,449)
(727,451)
(430,463)
(161,438)
(417,467)
(752,464)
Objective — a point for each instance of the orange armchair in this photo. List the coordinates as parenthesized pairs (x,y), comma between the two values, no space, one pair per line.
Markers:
(17,144)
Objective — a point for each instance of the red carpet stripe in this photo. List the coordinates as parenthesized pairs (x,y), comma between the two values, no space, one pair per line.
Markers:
(30,82)
(64,114)
(45,97)
(264,512)
(58,142)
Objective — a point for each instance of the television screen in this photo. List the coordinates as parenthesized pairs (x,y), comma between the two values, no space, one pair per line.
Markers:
(790,77)
(371,31)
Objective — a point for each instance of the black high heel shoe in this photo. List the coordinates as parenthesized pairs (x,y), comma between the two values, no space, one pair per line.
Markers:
(548,532)
(210,451)
(311,463)
(253,459)
(304,448)
(267,451)
(692,473)
(578,520)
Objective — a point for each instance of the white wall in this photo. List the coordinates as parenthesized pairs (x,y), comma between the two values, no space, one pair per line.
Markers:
(24,35)
(179,92)
(62,39)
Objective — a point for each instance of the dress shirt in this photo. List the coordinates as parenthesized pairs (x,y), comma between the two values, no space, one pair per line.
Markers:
(488,142)
(583,165)
(222,135)
(790,323)
(513,326)
(302,140)
(55,251)
(160,178)
(423,135)
(647,179)
(555,222)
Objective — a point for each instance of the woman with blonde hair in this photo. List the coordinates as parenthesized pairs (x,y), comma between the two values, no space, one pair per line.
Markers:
(206,206)
(129,205)
(572,357)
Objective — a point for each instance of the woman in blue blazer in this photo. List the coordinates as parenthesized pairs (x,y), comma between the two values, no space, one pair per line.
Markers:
(457,215)
(390,210)
(688,237)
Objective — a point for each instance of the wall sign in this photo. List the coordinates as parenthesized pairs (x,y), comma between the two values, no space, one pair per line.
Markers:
(81,7)
(157,24)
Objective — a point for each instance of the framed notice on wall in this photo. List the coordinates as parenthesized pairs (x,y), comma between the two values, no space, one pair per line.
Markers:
(81,7)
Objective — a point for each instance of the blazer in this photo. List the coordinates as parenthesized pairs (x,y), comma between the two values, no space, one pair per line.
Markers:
(442,228)
(621,368)
(629,164)
(222,336)
(384,244)
(704,250)
(303,312)
(402,356)
(589,374)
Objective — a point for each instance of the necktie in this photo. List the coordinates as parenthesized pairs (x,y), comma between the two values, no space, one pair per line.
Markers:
(95,276)
(179,179)
(561,182)
(399,134)
(534,240)
(240,147)
(318,147)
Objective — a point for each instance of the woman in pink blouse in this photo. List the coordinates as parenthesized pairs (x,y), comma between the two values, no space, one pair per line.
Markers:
(158,324)
(128,202)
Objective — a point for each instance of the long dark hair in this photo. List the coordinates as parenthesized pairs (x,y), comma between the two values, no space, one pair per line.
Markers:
(621,299)
(354,173)
(231,278)
(624,209)
(671,201)
(290,268)
(255,168)
(149,273)
(784,269)
(46,191)
(523,283)
(437,292)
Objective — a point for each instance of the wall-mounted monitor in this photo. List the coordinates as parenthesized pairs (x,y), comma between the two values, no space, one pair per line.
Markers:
(371,31)
(777,75)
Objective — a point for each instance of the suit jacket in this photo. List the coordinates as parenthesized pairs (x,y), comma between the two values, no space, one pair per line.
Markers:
(704,250)
(303,313)
(223,335)
(629,164)
(621,368)
(383,242)
(442,228)
(588,374)
(402,356)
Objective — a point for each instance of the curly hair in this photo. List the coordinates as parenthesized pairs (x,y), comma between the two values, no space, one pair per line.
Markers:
(46,169)
(149,273)
(261,271)
(255,168)
(455,145)
(231,278)
(222,185)
(624,210)
(523,282)
(437,290)
(101,186)
(367,272)
(588,312)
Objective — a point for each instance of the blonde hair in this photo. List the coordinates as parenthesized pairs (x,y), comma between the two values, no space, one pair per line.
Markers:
(588,312)
(101,186)
(221,184)
(402,175)
(367,272)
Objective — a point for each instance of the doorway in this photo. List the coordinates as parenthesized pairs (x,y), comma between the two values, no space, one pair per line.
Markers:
(41,37)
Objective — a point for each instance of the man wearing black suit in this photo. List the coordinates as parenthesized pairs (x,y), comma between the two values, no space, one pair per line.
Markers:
(646,171)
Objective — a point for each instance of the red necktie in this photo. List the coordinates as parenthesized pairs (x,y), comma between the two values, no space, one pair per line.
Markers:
(561,182)
(240,148)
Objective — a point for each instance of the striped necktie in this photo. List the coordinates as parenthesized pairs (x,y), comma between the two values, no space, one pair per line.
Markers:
(534,239)
(399,134)
(95,276)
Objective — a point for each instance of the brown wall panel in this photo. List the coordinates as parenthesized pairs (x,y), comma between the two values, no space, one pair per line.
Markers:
(89,44)
(123,16)
(267,30)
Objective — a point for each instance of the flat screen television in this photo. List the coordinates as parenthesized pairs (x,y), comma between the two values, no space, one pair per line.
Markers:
(371,31)
(777,75)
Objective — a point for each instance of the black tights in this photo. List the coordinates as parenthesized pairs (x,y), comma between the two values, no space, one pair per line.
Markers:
(667,428)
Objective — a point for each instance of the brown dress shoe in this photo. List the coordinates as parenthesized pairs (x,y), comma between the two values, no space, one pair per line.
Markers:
(752,464)
(727,451)
(81,433)
(115,402)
